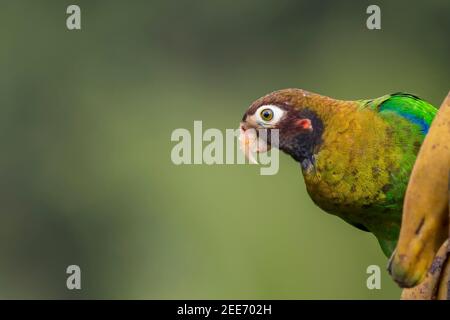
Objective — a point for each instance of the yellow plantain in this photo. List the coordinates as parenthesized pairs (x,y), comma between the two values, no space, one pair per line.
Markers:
(425,211)
(433,286)
(443,293)
(444,287)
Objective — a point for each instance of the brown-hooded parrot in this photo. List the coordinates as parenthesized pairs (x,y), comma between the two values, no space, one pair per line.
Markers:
(356,156)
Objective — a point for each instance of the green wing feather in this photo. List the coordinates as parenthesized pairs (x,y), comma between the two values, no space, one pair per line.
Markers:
(409,119)
(408,106)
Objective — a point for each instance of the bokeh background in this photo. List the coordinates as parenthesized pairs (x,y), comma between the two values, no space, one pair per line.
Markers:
(85,124)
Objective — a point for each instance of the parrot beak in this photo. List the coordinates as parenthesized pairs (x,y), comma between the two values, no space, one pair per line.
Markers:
(251,143)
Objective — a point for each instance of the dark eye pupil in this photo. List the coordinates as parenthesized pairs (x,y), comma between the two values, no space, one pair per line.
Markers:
(267,114)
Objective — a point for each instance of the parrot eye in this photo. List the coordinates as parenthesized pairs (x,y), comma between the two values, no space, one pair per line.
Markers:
(269,115)
(266,114)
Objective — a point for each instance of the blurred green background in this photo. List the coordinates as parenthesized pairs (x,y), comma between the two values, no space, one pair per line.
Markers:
(86,118)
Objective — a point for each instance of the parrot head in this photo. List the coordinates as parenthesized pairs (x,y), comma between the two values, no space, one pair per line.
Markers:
(299,127)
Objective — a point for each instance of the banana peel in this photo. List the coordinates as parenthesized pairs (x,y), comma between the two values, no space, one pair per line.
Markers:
(425,221)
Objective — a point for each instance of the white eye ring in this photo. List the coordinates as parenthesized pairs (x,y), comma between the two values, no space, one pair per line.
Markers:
(277,114)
